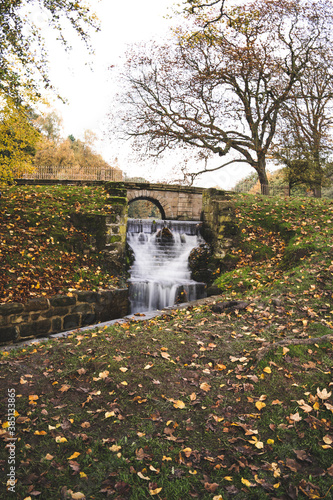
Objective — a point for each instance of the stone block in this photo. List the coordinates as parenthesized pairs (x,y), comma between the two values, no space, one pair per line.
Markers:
(39,304)
(62,300)
(10,308)
(56,325)
(35,328)
(87,296)
(55,311)
(71,321)
(82,308)
(19,318)
(88,319)
(8,334)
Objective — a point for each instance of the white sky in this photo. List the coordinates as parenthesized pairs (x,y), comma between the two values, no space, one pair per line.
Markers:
(89,90)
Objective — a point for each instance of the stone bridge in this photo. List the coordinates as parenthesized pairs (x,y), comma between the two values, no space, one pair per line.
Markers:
(174,202)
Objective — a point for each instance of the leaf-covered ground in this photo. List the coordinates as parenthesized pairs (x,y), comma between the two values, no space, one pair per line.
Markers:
(40,249)
(201,402)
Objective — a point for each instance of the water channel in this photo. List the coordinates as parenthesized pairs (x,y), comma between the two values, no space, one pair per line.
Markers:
(160,274)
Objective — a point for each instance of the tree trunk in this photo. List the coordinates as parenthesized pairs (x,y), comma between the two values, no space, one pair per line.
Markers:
(317,191)
(261,169)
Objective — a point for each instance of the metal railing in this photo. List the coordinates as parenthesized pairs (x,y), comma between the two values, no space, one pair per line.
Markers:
(73,173)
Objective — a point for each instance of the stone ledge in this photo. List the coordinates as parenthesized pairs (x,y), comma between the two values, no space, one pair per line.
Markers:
(41,316)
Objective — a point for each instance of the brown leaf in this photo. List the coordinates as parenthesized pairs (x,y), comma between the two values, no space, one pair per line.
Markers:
(292,464)
(301,455)
(211,487)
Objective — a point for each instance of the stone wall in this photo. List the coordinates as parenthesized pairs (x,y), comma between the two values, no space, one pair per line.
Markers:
(43,316)
(220,228)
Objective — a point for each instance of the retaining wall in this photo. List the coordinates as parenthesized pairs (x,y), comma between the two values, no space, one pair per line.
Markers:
(43,316)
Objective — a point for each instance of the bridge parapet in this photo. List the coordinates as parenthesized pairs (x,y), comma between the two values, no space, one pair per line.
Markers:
(174,201)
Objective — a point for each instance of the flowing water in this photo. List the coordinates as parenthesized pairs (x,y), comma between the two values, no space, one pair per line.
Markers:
(160,274)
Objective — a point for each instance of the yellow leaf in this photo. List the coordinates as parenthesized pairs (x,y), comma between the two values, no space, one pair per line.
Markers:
(60,439)
(259,445)
(123,369)
(260,405)
(155,492)
(75,455)
(124,382)
(267,369)
(32,399)
(228,478)
(179,404)
(316,406)
(205,387)
(103,374)
(82,474)
(147,367)
(276,485)
(187,451)
(220,367)
(48,457)
(285,350)
(270,441)
(192,472)
(39,433)
(246,482)
(167,459)
(109,414)
(193,396)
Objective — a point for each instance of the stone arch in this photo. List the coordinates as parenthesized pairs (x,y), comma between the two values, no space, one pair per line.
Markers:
(152,200)
(160,202)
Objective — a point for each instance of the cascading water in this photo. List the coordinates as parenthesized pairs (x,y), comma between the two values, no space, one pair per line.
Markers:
(160,273)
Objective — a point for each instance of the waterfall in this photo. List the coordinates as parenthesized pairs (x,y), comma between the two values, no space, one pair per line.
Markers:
(160,274)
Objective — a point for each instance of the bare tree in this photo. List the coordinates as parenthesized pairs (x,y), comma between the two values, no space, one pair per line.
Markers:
(304,142)
(220,90)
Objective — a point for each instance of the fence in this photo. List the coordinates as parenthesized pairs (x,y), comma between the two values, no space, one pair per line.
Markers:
(80,174)
(273,190)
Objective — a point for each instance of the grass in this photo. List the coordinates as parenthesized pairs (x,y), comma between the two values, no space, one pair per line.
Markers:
(41,251)
(193,404)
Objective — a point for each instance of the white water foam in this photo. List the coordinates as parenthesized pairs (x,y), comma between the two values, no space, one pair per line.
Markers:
(160,272)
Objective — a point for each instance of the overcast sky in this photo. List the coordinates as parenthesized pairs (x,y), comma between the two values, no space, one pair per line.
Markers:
(88,85)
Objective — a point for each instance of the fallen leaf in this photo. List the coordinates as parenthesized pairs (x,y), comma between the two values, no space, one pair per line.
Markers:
(155,491)
(247,483)
(323,394)
(115,448)
(205,387)
(64,388)
(109,414)
(295,417)
(211,487)
(74,455)
(60,439)
(260,405)
(143,477)
(179,404)
(327,439)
